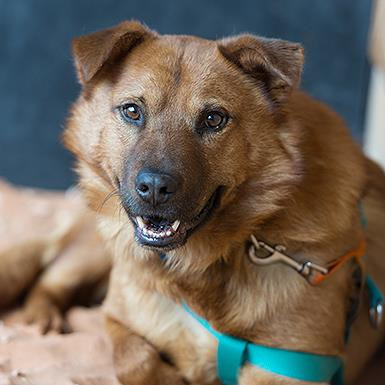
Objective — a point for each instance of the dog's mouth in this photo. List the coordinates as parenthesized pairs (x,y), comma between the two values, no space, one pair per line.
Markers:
(162,233)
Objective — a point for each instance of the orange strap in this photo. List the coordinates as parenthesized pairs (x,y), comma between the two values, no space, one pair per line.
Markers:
(334,266)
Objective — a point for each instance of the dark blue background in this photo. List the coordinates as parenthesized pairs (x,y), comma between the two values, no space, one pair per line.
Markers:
(38,84)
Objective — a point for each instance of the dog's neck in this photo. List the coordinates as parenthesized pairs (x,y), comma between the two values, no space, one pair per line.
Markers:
(245,300)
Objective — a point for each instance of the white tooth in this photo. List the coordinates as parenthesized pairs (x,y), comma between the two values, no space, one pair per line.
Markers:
(162,234)
(168,233)
(175,225)
(140,222)
(151,233)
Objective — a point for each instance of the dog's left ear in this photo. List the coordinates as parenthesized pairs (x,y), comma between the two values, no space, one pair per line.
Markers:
(277,64)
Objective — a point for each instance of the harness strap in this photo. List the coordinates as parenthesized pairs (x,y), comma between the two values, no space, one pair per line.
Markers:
(231,356)
(233,353)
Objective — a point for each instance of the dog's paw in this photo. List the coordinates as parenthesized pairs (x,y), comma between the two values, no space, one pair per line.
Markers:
(161,376)
(150,372)
(45,316)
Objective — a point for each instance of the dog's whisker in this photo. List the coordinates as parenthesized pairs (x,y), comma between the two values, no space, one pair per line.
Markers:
(105,200)
(121,209)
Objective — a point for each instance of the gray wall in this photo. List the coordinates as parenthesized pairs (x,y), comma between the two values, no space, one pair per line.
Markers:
(37,81)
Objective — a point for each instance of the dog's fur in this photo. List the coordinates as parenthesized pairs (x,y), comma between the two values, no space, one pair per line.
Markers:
(291,175)
(51,255)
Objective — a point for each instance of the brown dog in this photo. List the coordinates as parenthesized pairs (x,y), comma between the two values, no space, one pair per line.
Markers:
(204,143)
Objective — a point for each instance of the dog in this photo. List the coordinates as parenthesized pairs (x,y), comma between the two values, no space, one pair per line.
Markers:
(51,255)
(208,161)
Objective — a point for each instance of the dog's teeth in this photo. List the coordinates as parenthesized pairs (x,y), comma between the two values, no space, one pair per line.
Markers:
(156,233)
(175,225)
(140,222)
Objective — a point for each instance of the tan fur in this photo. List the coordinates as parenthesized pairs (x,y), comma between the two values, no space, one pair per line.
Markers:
(80,271)
(292,175)
(51,253)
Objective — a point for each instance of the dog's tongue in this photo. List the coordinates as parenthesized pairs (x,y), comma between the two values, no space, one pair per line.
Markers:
(158,222)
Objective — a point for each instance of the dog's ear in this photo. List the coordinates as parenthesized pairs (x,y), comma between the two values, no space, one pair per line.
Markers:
(93,51)
(277,64)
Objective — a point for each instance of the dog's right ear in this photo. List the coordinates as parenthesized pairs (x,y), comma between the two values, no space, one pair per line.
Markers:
(92,52)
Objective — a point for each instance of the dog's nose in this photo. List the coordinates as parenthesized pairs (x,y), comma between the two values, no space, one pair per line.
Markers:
(155,188)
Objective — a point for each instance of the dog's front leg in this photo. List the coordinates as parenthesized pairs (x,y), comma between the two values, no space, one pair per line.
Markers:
(252,375)
(136,361)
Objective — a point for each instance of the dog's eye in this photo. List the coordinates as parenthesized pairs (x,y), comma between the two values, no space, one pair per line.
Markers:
(215,120)
(130,112)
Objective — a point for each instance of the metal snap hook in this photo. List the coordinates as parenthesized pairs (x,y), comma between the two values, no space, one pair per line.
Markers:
(376,314)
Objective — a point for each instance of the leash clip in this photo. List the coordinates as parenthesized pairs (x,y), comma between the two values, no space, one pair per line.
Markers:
(377,301)
(276,255)
(376,314)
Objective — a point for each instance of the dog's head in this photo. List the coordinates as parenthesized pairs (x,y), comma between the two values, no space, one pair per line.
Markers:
(183,129)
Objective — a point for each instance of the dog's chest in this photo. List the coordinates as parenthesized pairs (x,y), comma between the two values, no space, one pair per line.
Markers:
(166,325)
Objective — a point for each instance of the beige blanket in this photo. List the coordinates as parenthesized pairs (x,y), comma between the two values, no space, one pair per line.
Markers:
(82,357)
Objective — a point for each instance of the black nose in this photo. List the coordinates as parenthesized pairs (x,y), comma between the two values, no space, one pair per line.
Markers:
(155,188)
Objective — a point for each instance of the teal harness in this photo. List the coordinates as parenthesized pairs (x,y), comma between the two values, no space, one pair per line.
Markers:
(233,353)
